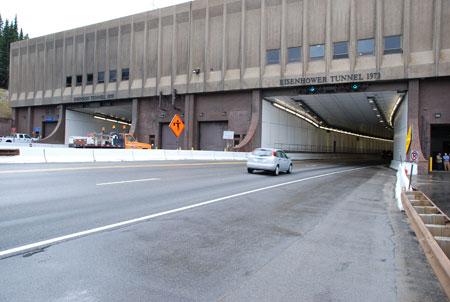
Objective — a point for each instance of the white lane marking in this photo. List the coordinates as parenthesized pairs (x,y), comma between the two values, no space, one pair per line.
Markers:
(126,181)
(49,242)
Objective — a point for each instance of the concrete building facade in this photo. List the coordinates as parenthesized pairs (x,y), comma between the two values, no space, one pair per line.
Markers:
(216,63)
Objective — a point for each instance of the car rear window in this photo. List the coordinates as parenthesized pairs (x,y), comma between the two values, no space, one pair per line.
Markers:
(262,152)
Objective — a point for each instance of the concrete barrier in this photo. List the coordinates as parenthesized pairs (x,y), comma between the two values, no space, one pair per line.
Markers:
(106,155)
(178,154)
(241,156)
(144,155)
(218,155)
(27,155)
(63,155)
(202,155)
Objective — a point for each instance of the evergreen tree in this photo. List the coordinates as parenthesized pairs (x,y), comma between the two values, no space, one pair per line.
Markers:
(9,33)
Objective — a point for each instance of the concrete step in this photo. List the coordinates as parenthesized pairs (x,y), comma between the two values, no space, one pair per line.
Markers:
(444,243)
(426,209)
(434,219)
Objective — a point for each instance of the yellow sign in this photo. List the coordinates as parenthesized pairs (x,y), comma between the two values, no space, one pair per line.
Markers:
(176,125)
(408,139)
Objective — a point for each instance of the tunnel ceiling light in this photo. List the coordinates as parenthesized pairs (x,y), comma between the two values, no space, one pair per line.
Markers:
(111,119)
(394,109)
(328,128)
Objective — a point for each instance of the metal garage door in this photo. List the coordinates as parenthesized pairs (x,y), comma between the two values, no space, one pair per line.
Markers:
(211,136)
(168,138)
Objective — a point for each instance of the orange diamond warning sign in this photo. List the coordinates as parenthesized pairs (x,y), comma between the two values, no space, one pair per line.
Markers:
(176,125)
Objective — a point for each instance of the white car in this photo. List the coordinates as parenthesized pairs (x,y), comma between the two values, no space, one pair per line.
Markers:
(268,159)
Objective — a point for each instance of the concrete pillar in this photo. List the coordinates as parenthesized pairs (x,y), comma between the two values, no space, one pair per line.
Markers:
(406,31)
(242,54)
(353,43)
(379,33)
(30,121)
(283,48)
(437,34)
(305,43)
(414,121)
(189,123)
(224,46)
(134,116)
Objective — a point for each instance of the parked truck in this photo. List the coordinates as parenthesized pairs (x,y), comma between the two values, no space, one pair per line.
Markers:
(17,138)
(113,140)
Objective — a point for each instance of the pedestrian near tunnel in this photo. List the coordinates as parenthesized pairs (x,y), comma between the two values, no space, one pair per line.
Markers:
(439,161)
(446,160)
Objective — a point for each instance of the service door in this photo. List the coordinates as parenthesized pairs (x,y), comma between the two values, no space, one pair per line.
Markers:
(48,128)
(168,138)
(211,136)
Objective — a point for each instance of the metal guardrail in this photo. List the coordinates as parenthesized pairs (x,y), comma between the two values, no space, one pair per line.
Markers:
(322,149)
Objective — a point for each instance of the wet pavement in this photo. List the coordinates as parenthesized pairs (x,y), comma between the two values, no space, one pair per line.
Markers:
(436,186)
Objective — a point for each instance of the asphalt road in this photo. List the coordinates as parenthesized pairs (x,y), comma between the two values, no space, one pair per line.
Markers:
(197,231)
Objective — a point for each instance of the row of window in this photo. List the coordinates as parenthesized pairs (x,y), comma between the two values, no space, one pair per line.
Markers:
(100,77)
(366,47)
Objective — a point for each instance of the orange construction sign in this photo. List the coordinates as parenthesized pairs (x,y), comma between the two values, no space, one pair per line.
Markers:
(176,125)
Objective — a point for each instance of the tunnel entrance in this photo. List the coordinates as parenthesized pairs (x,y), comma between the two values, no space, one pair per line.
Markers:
(337,122)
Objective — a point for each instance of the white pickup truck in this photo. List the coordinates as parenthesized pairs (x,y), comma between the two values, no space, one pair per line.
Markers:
(16,138)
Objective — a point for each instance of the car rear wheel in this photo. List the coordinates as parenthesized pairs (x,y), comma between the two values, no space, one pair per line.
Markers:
(249,170)
(276,171)
(289,171)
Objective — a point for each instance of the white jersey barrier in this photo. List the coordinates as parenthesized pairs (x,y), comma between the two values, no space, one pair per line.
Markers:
(67,155)
(59,155)
(27,155)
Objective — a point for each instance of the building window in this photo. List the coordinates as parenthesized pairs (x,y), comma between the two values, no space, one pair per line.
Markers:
(366,47)
(273,56)
(125,74)
(112,76)
(393,44)
(294,54)
(340,50)
(316,52)
(89,79)
(101,77)
(79,80)
(69,81)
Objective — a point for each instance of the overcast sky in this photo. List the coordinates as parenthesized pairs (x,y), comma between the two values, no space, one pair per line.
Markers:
(43,17)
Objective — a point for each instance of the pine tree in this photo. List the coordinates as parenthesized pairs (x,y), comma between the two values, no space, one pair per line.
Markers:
(9,33)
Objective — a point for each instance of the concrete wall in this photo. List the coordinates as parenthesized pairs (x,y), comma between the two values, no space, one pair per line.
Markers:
(400,131)
(281,129)
(433,93)
(233,107)
(227,41)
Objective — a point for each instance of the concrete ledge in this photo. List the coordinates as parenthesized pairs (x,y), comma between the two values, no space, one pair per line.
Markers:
(432,246)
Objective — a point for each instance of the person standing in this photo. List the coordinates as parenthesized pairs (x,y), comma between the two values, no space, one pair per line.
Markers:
(439,161)
(446,160)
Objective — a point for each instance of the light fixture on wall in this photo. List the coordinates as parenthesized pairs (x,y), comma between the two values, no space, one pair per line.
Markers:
(437,115)
(224,113)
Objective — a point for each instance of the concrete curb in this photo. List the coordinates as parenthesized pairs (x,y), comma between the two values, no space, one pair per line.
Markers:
(438,259)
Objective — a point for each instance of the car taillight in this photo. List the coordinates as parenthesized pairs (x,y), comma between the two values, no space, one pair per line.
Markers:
(273,153)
